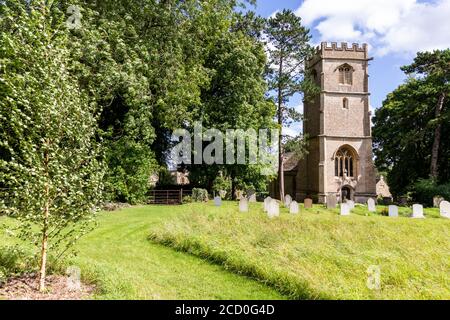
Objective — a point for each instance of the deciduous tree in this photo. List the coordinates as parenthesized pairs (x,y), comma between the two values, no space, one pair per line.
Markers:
(50,173)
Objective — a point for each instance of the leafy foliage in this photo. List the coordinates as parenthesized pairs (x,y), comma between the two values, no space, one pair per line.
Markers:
(235,99)
(425,190)
(50,175)
(222,184)
(199,195)
(405,132)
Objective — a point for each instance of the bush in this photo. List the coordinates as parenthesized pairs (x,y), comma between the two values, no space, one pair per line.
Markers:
(14,261)
(222,184)
(426,189)
(199,195)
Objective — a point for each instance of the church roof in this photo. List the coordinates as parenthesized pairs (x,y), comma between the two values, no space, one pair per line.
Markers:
(290,162)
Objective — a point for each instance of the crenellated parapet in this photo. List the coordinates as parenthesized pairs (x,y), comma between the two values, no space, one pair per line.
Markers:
(343,51)
(343,46)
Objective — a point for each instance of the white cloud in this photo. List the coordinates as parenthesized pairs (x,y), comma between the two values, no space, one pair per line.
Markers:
(389,26)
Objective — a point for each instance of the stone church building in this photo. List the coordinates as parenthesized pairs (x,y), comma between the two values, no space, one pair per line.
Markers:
(337,122)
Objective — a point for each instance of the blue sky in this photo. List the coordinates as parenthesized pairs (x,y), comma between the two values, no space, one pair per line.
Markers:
(394,29)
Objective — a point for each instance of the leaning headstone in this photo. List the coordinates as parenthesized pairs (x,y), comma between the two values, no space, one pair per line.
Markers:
(293,207)
(266,203)
(351,204)
(437,201)
(287,200)
(345,209)
(393,211)
(444,208)
(331,201)
(252,198)
(417,211)
(217,201)
(308,203)
(371,205)
(243,205)
(273,209)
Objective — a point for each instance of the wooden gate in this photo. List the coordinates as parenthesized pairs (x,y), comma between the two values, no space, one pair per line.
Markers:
(171,197)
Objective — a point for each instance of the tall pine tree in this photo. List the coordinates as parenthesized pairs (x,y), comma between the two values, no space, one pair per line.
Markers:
(288,45)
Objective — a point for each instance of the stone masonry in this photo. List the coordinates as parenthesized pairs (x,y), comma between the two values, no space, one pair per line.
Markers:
(337,122)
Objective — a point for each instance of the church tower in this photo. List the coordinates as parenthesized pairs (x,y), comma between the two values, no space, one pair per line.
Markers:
(337,122)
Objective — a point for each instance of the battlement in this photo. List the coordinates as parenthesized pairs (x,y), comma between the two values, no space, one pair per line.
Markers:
(343,50)
(355,47)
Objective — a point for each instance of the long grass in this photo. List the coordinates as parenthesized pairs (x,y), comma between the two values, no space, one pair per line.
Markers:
(319,254)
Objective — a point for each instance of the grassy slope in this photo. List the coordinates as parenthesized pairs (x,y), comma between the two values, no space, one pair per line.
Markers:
(128,266)
(319,254)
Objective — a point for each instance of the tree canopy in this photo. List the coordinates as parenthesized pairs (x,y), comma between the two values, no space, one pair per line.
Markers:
(405,127)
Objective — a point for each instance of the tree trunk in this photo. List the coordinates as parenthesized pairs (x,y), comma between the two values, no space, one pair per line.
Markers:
(43,268)
(280,135)
(233,188)
(434,169)
(44,244)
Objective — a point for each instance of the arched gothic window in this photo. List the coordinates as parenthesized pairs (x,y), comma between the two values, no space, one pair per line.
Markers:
(345,74)
(345,103)
(344,163)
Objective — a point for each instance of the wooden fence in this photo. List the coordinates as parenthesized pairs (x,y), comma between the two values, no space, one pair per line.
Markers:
(171,197)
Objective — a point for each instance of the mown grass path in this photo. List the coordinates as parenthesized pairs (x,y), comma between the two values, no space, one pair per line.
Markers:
(127,266)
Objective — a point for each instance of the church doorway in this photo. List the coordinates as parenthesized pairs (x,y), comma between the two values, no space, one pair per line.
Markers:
(346,193)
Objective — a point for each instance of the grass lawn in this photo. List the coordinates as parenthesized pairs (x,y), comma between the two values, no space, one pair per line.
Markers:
(120,258)
(319,254)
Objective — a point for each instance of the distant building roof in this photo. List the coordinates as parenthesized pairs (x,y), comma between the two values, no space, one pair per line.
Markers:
(290,162)
(383,188)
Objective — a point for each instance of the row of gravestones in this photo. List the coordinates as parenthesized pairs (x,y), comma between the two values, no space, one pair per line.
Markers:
(218,200)
(393,210)
(272,206)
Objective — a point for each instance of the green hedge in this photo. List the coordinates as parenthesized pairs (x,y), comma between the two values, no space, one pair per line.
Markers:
(426,189)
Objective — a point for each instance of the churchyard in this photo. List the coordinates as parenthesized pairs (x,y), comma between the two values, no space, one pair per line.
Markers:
(348,252)
(120,119)
(237,250)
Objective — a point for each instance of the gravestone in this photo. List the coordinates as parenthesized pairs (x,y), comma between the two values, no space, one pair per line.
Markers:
(444,208)
(243,205)
(252,198)
(331,201)
(308,203)
(217,201)
(345,209)
(266,203)
(273,209)
(393,211)
(293,207)
(287,200)
(371,205)
(437,201)
(239,194)
(351,204)
(417,211)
